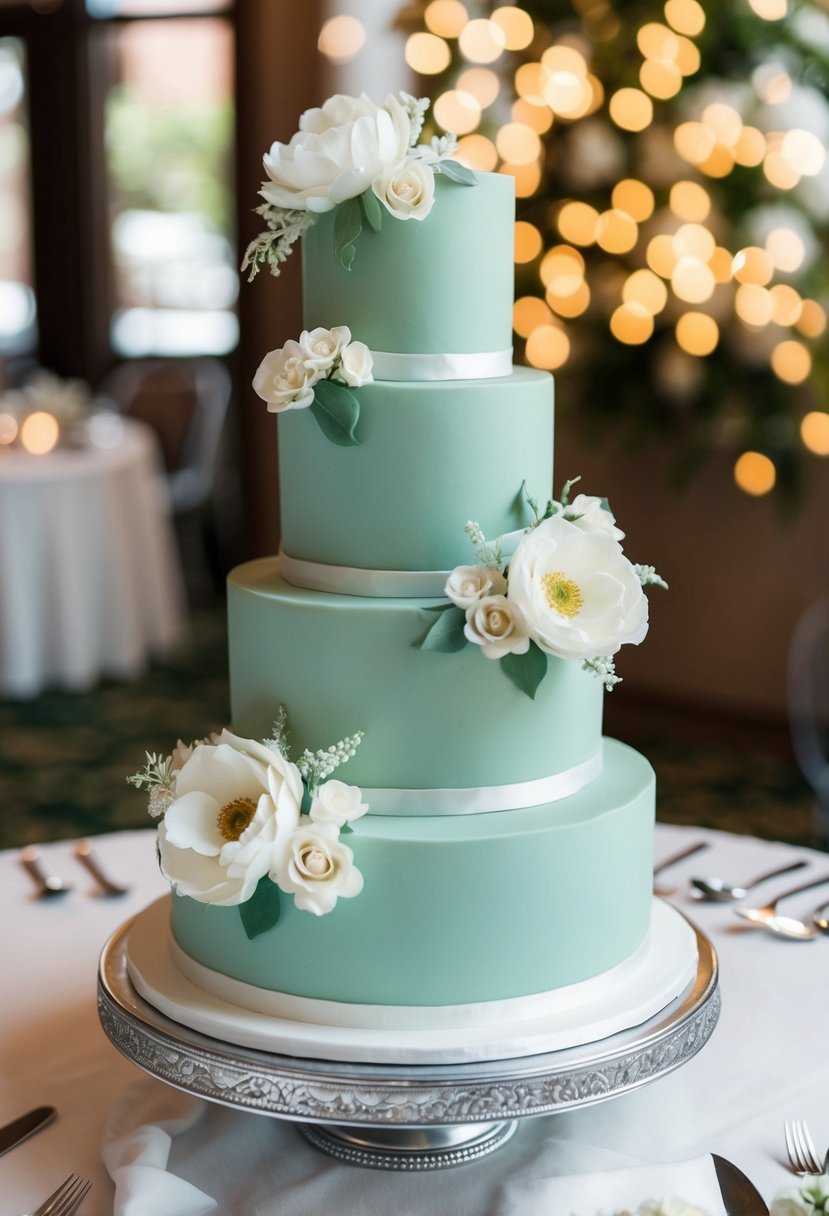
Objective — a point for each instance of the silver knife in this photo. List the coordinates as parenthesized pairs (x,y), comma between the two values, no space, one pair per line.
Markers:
(740,1195)
(15,1133)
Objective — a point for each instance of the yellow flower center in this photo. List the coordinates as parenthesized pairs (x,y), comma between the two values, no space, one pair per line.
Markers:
(235,816)
(563,595)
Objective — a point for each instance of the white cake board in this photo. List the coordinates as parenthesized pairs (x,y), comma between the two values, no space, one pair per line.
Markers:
(580,1014)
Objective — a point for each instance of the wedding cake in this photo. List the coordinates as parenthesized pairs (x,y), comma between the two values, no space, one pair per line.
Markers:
(438,625)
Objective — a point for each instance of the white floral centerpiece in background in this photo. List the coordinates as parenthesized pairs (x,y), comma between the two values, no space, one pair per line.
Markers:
(358,157)
(232,829)
(568,591)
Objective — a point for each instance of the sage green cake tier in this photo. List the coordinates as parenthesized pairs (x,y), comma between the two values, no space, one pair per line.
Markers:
(464,908)
(434,286)
(431,720)
(434,455)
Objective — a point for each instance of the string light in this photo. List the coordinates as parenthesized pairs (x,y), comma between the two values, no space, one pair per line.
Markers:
(755,474)
(690,201)
(528,242)
(772,83)
(518,143)
(529,313)
(341,38)
(786,304)
(688,58)
(527,178)
(577,223)
(478,152)
(548,347)
(661,80)
(631,324)
(753,305)
(692,281)
(720,263)
(530,79)
(427,54)
(812,320)
(569,304)
(631,109)
(657,42)
(645,288)
(616,231)
(803,151)
(39,433)
(752,265)
(814,431)
(482,83)
(697,333)
(786,249)
(446,18)
(685,16)
(750,148)
(770,10)
(457,111)
(517,27)
(661,256)
(634,197)
(481,41)
(561,264)
(791,361)
(540,118)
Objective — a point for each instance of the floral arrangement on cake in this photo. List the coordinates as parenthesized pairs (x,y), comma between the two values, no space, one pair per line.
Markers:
(233,829)
(318,373)
(568,591)
(355,156)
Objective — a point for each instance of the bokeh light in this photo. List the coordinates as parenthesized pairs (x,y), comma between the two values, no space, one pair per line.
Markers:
(753,265)
(518,143)
(341,38)
(478,152)
(446,18)
(528,242)
(427,54)
(529,313)
(577,223)
(527,178)
(812,320)
(690,201)
(616,232)
(631,109)
(548,347)
(516,25)
(786,249)
(482,83)
(634,197)
(814,431)
(697,333)
(8,428)
(631,324)
(755,474)
(39,433)
(770,10)
(457,111)
(791,361)
(645,288)
(685,16)
(753,305)
(481,41)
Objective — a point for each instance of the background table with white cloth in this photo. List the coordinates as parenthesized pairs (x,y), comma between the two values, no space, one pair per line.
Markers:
(766,1062)
(90,582)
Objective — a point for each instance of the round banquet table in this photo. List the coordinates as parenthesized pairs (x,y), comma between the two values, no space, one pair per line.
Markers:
(90,584)
(766,1062)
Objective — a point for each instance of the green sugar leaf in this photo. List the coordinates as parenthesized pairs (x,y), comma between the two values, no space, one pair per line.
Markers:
(348,224)
(526,670)
(456,172)
(372,210)
(337,410)
(446,635)
(261,912)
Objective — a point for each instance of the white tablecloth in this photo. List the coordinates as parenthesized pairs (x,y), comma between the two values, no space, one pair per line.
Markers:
(766,1062)
(90,583)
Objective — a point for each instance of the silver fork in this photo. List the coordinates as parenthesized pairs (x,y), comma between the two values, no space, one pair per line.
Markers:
(800,1147)
(66,1200)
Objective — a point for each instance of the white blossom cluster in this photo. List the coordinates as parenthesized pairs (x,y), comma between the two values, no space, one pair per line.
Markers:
(315,767)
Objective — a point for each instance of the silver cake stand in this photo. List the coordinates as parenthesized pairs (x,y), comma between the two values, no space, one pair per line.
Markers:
(404,1117)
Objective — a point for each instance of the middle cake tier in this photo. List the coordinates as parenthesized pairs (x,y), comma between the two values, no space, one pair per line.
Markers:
(444,733)
(432,456)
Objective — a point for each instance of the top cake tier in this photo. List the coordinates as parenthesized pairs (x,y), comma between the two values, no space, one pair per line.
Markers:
(441,285)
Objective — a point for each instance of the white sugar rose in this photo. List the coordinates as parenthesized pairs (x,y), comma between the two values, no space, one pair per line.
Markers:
(218,836)
(337,803)
(317,869)
(468,584)
(356,365)
(321,348)
(337,153)
(497,626)
(285,380)
(594,516)
(407,190)
(579,594)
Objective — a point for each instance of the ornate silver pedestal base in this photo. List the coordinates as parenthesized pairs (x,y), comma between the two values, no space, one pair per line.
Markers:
(410,1149)
(405,1117)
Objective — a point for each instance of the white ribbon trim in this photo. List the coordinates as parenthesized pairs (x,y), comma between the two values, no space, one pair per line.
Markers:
(480,365)
(483,800)
(375,584)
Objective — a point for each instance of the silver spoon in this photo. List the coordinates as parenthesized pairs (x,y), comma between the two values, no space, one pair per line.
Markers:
(784,926)
(715,890)
(672,861)
(821,922)
(48,885)
(84,854)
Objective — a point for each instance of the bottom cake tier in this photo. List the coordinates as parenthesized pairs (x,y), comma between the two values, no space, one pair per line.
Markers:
(460,909)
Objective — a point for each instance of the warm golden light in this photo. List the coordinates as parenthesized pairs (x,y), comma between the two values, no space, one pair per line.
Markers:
(560,264)
(517,27)
(804,152)
(634,197)
(657,42)
(719,163)
(571,303)
(694,241)
(750,148)
(688,58)
(814,431)
(527,178)
(547,347)
(631,109)
(694,142)
(457,111)
(786,304)
(631,324)
(529,313)
(577,223)
(753,305)
(779,171)
(791,361)
(772,82)
(528,242)
(481,41)
(478,152)
(8,429)
(530,80)
(518,143)
(786,249)
(566,59)
(446,18)
(661,80)
(645,288)
(341,38)
(616,232)
(754,473)
(39,433)
(690,201)
(812,320)
(660,255)
(482,83)
(427,54)
(720,263)
(685,16)
(540,118)
(752,265)
(697,333)
(770,10)
(693,281)
(724,121)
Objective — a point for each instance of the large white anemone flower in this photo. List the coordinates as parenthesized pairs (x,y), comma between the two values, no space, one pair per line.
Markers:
(218,836)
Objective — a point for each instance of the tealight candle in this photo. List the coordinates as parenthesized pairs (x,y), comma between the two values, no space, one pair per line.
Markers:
(39,433)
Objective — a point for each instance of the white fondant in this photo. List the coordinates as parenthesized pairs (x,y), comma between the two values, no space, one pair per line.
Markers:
(376,584)
(566,1017)
(483,365)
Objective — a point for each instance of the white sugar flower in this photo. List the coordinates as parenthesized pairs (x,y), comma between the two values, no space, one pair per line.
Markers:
(594,516)
(321,348)
(317,869)
(497,625)
(468,584)
(218,836)
(406,190)
(811,1196)
(579,594)
(356,365)
(337,803)
(285,380)
(337,153)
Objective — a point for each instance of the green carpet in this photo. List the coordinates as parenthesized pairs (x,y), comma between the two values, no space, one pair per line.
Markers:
(64,757)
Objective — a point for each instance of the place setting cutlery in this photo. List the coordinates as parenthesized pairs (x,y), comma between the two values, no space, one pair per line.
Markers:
(673,860)
(51,886)
(789,927)
(800,1149)
(715,890)
(21,1129)
(739,1194)
(66,1200)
